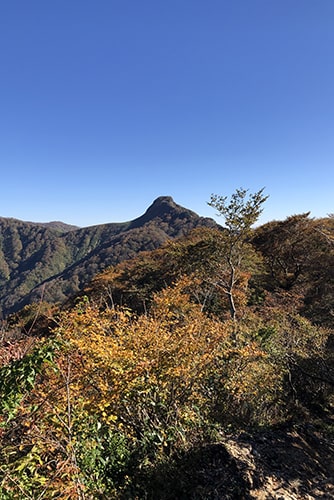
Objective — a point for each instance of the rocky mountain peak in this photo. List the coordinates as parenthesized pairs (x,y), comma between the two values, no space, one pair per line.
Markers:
(160,206)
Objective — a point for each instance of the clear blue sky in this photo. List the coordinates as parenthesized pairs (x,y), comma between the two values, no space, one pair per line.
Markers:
(107,104)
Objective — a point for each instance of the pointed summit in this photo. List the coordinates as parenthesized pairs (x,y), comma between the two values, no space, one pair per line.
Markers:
(164,208)
(160,206)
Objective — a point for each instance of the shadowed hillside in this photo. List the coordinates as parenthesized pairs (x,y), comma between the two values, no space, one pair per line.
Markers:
(54,260)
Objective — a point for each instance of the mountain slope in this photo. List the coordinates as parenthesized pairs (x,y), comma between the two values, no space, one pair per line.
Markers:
(59,226)
(53,262)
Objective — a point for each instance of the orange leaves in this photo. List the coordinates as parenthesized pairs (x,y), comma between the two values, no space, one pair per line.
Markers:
(166,353)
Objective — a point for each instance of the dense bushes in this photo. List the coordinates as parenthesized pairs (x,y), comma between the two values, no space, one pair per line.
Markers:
(123,394)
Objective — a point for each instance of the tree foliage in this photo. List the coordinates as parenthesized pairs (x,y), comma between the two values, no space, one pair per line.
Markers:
(239,213)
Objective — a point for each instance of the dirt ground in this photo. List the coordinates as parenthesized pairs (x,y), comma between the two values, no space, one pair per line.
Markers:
(292,464)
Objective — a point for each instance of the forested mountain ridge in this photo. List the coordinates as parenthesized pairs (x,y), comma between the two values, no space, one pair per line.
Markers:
(55,260)
(56,225)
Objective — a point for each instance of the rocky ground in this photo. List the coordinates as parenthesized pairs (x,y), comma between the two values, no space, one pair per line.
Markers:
(287,464)
(290,463)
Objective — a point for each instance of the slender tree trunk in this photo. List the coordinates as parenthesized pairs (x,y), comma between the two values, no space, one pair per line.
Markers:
(233,311)
(229,292)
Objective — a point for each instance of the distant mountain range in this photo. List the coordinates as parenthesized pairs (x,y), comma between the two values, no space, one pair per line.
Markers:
(52,261)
